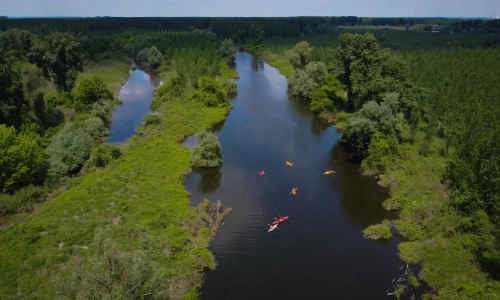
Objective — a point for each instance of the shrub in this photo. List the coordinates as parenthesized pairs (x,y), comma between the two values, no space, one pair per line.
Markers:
(208,152)
(211,93)
(320,102)
(381,154)
(379,231)
(102,156)
(68,151)
(155,58)
(101,110)
(22,199)
(90,91)
(20,158)
(151,119)
(95,127)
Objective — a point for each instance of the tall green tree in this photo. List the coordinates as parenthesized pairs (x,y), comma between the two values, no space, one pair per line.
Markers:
(228,49)
(59,58)
(299,55)
(208,152)
(20,158)
(155,58)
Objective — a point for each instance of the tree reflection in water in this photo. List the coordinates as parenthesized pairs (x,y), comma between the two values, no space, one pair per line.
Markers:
(210,179)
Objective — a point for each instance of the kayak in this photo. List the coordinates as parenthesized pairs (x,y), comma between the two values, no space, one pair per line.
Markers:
(329,172)
(282,219)
(289,164)
(272,227)
(262,173)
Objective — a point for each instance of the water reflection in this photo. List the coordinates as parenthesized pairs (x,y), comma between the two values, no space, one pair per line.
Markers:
(210,179)
(136,95)
(257,64)
(361,197)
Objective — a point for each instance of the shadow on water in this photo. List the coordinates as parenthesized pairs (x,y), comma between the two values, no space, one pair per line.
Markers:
(210,179)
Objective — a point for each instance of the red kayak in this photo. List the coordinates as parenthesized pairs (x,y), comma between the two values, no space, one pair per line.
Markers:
(262,173)
(279,220)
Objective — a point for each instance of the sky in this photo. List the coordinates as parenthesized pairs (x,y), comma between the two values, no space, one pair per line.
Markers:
(251,8)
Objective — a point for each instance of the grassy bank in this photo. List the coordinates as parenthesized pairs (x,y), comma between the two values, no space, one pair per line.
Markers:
(142,189)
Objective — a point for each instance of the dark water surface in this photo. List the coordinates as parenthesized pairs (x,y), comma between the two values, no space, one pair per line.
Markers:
(320,252)
(136,95)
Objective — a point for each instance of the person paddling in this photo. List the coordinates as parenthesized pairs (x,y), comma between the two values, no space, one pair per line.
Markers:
(262,173)
(294,191)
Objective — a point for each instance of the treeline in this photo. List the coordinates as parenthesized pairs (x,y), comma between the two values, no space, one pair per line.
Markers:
(227,27)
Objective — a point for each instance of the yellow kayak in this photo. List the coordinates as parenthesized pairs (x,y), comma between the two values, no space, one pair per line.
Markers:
(329,172)
(289,164)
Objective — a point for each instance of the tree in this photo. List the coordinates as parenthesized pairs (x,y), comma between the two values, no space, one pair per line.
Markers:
(20,158)
(68,150)
(207,153)
(89,91)
(143,55)
(305,82)
(94,127)
(299,55)
(58,57)
(320,102)
(102,155)
(228,49)
(358,131)
(155,58)
(211,93)
(257,34)
(382,152)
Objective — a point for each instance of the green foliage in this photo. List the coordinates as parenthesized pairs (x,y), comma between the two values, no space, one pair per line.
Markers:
(101,110)
(151,119)
(228,49)
(68,151)
(320,102)
(256,33)
(211,93)
(142,55)
(102,155)
(305,82)
(155,58)
(208,152)
(58,57)
(299,55)
(112,273)
(20,158)
(22,200)
(382,153)
(379,231)
(91,90)
(95,127)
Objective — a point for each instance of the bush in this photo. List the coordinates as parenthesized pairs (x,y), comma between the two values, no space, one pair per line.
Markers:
(22,199)
(90,91)
(95,127)
(101,110)
(208,152)
(20,158)
(211,93)
(155,58)
(379,231)
(143,55)
(320,102)
(381,154)
(68,150)
(151,119)
(102,155)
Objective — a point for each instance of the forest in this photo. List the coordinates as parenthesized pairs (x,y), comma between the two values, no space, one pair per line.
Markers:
(420,107)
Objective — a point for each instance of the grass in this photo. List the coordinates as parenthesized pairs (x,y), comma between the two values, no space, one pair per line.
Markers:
(227,72)
(142,188)
(114,70)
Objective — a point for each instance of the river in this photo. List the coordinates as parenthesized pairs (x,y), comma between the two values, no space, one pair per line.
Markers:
(136,95)
(320,252)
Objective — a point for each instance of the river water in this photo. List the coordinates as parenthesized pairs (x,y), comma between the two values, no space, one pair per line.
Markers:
(320,252)
(136,95)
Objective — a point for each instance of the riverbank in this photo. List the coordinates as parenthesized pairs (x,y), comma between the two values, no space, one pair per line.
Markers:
(143,188)
(427,220)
